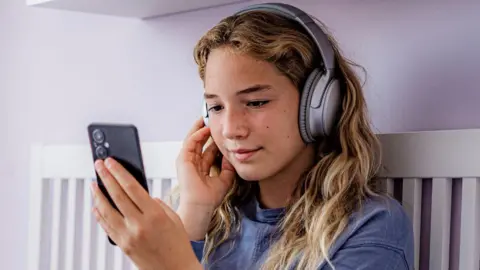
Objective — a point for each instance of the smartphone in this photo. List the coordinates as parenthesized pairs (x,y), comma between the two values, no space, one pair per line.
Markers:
(120,142)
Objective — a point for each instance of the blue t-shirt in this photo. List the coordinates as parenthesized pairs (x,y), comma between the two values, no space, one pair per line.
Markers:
(379,236)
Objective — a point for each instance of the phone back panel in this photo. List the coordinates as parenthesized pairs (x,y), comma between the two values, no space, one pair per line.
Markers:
(121,142)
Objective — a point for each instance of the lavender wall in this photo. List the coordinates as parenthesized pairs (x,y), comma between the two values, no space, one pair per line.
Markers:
(3,88)
(60,70)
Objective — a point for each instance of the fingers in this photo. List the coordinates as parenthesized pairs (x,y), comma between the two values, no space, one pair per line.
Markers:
(110,220)
(135,192)
(226,165)
(208,158)
(105,226)
(227,174)
(196,141)
(198,124)
(116,192)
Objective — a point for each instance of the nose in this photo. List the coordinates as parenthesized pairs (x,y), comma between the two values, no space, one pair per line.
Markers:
(235,124)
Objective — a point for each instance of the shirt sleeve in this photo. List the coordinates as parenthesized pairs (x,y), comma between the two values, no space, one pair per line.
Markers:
(380,238)
(197,247)
(368,256)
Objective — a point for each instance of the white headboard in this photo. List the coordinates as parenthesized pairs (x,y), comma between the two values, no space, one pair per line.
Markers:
(435,174)
(63,234)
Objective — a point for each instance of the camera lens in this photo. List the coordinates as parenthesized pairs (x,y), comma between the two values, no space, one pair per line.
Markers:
(101,152)
(98,136)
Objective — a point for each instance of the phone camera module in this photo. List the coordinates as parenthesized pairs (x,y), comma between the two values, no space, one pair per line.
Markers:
(98,136)
(101,152)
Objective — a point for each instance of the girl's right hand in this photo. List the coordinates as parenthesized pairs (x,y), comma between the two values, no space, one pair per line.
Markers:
(200,192)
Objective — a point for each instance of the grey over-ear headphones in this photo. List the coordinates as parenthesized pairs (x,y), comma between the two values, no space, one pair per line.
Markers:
(320,98)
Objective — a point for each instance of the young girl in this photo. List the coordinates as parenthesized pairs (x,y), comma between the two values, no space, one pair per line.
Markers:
(295,188)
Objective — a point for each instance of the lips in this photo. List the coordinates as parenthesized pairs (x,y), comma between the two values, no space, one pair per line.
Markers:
(244,154)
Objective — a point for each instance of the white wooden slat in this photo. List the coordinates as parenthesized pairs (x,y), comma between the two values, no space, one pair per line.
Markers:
(102,242)
(166,189)
(149,186)
(86,226)
(126,262)
(81,168)
(35,208)
(157,188)
(46,223)
(390,185)
(174,182)
(63,221)
(118,259)
(94,249)
(71,224)
(440,223)
(427,154)
(109,256)
(56,220)
(79,222)
(470,225)
(173,203)
(412,202)
(157,163)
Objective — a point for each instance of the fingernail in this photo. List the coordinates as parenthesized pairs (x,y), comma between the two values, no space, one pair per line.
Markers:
(108,163)
(92,187)
(100,171)
(97,163)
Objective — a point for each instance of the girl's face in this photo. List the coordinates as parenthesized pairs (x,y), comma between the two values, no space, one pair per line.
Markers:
(253,114)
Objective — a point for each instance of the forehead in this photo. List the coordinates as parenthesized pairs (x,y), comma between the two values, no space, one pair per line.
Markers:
(228,71)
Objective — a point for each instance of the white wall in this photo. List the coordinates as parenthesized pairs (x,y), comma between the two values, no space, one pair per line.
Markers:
(60,70)
(3,91)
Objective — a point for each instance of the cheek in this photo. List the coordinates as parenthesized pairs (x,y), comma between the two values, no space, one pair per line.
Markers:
(282,125)
(216,134)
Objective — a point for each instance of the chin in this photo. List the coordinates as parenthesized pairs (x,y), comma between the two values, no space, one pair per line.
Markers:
(252,172)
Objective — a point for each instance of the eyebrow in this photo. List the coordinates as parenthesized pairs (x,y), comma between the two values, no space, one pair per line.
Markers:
(249,90)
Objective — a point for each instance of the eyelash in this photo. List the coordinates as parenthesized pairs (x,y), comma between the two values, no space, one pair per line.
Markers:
(263,102)
(259,103)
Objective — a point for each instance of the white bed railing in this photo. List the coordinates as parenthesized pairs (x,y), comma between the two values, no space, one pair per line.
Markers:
(63,234)
(434,174)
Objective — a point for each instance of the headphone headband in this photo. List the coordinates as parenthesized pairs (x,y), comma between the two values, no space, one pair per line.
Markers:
(319,37)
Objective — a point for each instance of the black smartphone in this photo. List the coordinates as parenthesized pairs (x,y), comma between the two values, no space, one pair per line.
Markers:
(120,142)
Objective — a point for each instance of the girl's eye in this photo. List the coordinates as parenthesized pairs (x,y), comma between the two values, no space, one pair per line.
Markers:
(215,108)
(255,104)
(258,103)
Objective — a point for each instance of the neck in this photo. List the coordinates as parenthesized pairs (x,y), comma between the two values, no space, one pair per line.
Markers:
(277,190)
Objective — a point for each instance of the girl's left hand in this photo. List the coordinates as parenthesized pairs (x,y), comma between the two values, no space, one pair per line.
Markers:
(149,232)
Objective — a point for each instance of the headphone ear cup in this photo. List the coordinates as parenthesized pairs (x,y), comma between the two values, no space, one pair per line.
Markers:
(326,114)
(305,102)
(205,113)
(319,106)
